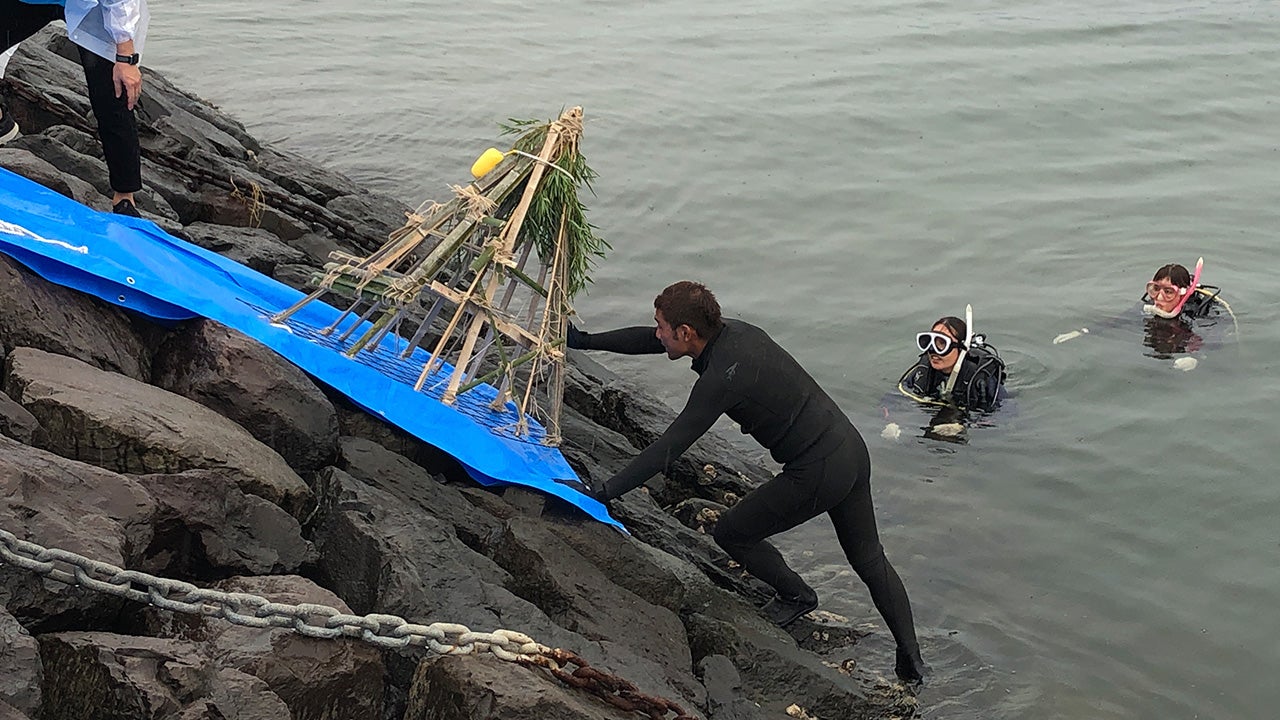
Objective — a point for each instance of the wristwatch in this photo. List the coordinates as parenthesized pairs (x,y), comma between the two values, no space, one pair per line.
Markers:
(129,59)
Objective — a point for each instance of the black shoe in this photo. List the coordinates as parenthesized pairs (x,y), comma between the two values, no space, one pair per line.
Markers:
(909,667)
(783,611)
(8,128)
(126,207)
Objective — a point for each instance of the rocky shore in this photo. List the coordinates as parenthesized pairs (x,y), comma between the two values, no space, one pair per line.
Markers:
(191,452)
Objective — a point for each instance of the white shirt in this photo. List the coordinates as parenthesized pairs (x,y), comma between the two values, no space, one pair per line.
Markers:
(98,25)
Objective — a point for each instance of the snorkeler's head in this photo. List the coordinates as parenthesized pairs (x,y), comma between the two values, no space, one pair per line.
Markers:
(955,329)
(1174,273)
(1168,287)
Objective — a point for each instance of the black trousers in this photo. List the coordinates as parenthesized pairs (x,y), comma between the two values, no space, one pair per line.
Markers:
(117,126)
(840,486)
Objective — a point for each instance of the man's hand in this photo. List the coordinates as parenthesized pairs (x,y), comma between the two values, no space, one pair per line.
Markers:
(575,339)
(128,81)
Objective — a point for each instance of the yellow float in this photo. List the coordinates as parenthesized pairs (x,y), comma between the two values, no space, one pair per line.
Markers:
(487,161)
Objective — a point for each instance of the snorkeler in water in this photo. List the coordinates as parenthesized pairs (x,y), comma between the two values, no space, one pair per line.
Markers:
(956,368)
(1174,292)
(1178,309)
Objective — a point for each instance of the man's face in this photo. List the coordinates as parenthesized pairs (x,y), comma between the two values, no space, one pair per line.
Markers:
(675,340)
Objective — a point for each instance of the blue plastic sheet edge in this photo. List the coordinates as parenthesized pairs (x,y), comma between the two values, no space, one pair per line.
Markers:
(133,264)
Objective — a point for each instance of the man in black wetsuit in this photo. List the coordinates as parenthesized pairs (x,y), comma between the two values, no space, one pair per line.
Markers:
(744,374)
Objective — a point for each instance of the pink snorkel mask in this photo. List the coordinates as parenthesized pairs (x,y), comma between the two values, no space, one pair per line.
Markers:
(1195,282)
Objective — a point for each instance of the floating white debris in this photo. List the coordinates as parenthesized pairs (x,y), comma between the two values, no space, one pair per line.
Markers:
(1185,364)
(1070,335)
(891,431)
(947,429)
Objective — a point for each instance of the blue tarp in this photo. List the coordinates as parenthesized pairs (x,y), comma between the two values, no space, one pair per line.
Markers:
(135,265)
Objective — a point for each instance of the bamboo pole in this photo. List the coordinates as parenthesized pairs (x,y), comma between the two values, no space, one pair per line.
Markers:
(508,238)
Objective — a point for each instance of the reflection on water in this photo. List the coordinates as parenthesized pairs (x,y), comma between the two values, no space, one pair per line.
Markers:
(1167,337)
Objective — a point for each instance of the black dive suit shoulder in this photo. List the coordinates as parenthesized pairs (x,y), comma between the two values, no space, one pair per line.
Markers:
(980,385)
(744,374)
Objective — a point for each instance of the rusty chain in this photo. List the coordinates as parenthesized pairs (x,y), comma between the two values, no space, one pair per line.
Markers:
(325,622)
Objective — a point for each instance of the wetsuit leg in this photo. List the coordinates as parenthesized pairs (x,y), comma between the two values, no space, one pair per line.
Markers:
(795,495)
(19,21)
(855,523)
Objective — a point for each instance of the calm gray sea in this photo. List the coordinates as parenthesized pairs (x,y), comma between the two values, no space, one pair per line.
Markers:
(843,176)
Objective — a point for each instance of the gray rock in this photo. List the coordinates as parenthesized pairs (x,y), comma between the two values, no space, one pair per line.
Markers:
(77,140)
(775,673)
(61,503)
(16,422)
(650,573)
(9,712)
(36,313)
(25,163)
(240,207)
(127,426)
(173,189)
(302,177)
(316,678)
(298,276)
(117,677)
(354,422)
(381,554)
(20,669)
(252,247)
(246,697)
(578,596)
(480,688)
(379,214)
(316,247)
(725,698)
(85,174)
(384,555)
(57,77)
(411,484)
(250,384)
(197,144)
(206,528)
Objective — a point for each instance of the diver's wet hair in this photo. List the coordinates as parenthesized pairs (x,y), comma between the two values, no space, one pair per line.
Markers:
(955,325)
(1174,273)
(690,303)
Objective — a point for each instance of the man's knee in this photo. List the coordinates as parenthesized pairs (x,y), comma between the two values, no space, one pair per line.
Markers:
(866,557)
(723,534)
(729,534)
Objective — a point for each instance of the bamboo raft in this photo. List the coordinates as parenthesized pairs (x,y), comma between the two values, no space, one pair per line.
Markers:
(485,280)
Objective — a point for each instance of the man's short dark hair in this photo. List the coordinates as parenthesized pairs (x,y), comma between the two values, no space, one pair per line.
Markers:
(690,303)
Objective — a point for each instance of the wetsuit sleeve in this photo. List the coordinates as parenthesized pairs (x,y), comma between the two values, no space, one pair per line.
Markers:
(627,341)
(707,402)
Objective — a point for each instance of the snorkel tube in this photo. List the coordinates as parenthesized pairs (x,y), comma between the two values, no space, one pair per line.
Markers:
(968,338)
(1177,310)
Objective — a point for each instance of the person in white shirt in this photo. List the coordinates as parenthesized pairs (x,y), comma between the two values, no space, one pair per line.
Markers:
(110,35)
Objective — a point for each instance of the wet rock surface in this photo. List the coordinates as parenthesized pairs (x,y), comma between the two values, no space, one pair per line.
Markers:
(121,424)
(239,378)
(189,451)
